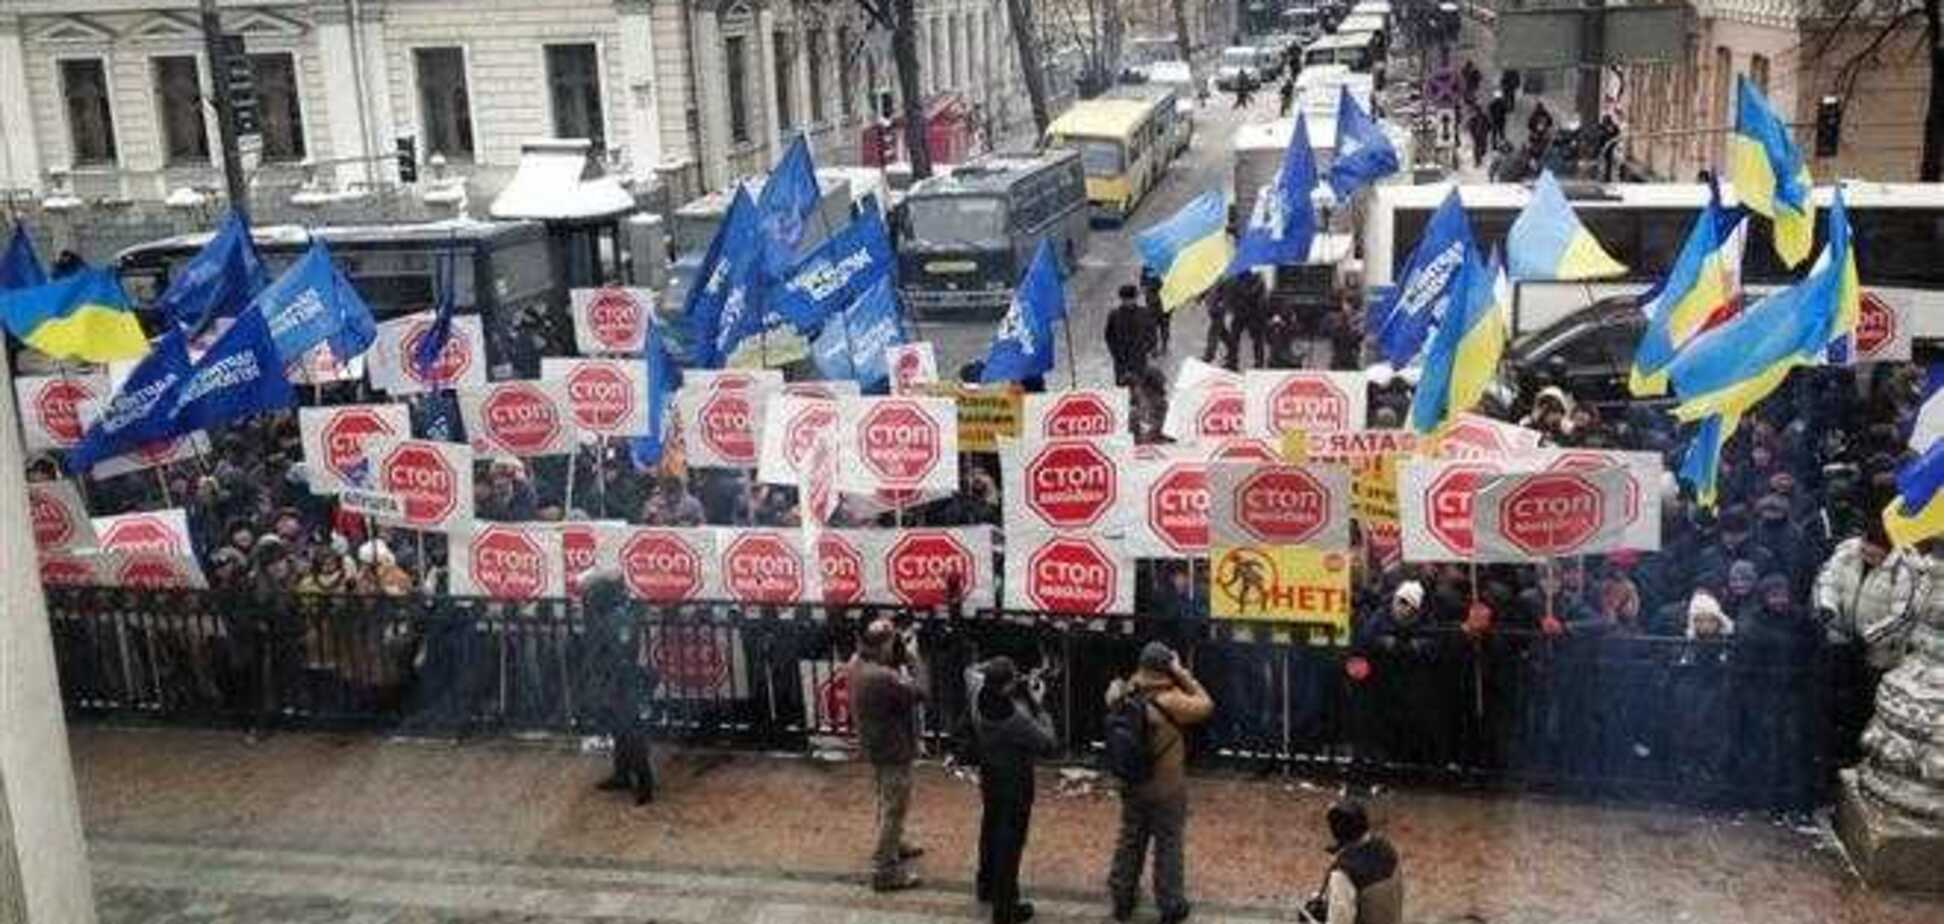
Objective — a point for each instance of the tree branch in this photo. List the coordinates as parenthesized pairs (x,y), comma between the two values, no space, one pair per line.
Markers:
(879,12)
(1852,70)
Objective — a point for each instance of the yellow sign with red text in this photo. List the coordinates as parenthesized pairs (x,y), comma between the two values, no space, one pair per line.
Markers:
(1281,583)
(1372,458)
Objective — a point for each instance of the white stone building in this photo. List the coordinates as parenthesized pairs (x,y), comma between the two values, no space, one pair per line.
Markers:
(107,97)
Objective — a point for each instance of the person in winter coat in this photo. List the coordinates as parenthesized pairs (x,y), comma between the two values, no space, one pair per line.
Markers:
(1161,319)
(616,685)
(1157,810)
(1864,593)
(1365,884)
(888,683)
(1012,732)
(1130,336)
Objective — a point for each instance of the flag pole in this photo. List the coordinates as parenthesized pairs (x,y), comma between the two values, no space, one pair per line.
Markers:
(573,465)
(600,473)
(1073,375)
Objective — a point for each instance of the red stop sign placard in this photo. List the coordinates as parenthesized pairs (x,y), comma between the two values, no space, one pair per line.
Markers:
(1304,403)
(579,547)
(151,571)
(763,568)
(521,419)
(143,534)
(58,403)
(615,319)
(601,397)
(1470,439)
(689,658)
(1282,506)
(727,421)
(1448,505)
(1078,414)
(801,431)
(66,571)
(1221,413)
(899,441)
(1551,514)
(508,565)
(841,566)
(450,365)
(420,475)
(1580,461)
(1072,574)
(53,526)
(927,569)
(662,566)
(1177,508)
(1070,485)
(1876,324)
(344,434)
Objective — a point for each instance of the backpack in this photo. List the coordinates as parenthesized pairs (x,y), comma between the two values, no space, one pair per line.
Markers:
(1129,754)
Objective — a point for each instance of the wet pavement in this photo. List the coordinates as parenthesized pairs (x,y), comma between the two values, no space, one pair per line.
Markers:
(204,827)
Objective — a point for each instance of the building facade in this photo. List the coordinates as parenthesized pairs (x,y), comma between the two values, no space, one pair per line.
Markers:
(107,99)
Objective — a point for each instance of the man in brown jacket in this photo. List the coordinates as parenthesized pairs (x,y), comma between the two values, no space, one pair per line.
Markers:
(1157,810)
(888,683)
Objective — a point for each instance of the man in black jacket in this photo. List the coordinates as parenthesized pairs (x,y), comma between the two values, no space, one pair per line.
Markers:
(1013,732)
(616,686)
(1130,336)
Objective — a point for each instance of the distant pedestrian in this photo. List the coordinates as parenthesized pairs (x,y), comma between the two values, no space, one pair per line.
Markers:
(1479,126)
(1288,95)
(617,685)
(1148,715)
(1011,733)
(1365,884)
(1249,314)
(1509,87)
(1496,112)
(1539,125)
(1161,319)
(1244,91)
(1474,78)
(1130,336)
(888,683)
(1221,326)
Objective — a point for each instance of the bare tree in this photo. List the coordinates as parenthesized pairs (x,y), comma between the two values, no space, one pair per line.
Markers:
(1023,27)
(900,16)
(1915,23)
(1182,44)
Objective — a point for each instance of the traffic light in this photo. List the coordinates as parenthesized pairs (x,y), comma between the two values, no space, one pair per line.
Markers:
(407,159)
(1829,126)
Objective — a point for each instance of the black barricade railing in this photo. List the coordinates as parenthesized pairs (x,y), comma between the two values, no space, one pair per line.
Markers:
(1731,723)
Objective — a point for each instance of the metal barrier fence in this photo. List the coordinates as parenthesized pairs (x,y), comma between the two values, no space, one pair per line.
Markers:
(1718,722)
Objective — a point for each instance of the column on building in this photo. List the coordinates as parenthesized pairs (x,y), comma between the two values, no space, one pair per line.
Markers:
(800,76)
(640,90)
(766,79)
(712,97)
(20,165)
(357,98)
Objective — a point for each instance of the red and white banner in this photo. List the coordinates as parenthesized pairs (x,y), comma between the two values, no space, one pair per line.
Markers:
(1475,436)
(162,532)
(766,380)
(1214,409)
(764,566)
(1171,491)
(901,443)
(1074,573)
(611,320)
(848,564)
(910,364)
(1067,484)
(148,570)
(927,567)
(1085,412)
(59,518)
(1534,516)
(519,418)
(588,546)
(149,455)
(825,686)
(1883,327)
(664,565)
(321,367)
(335,438)
(434,480)
(722,421)
(507,561)
(1278,401)
(697,662)
(1643,473)
(462,364)
(56,411)
(791,429)
(69,569)
(827,389)
(609,397)
(1434,505)
(1252,504)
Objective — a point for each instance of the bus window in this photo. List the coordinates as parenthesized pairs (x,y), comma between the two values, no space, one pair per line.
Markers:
(1896,246)
(1099,157)
(957,219)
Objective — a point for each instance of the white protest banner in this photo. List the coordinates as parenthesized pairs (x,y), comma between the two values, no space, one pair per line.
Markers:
(150,455)
(365,502)
(722,424)
(765,380)
(791,428)
(59,518)
(611,319)
(1213,409)
(1256,504)
(764,566)
(1243,449)
(1278,401)
(1534,516)
(55,410)
(507,561)
(70,569)
(161,532)
(149,570)
(902,443)
(817,484)
(609,397)
(927,567)
(435,480)
(1883,326)
(587,546)
(519,418)
(1171,488)
(1077,413)
(1643,473)
(664,565)
(911,364)
(461,364)
(1073,573)
(1194,374)
(697,662)
(1475,436)
(1434,505)
(848,562)
(334,441)
(320,366)
(1067,484)
(827,389)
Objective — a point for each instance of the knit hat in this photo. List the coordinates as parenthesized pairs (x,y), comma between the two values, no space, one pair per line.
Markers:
(1157,656)
(1410,592)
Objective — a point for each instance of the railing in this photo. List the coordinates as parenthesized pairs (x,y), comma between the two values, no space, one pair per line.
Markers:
(1721,723)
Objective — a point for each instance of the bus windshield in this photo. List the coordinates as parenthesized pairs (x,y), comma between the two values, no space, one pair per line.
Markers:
(957,219)
(1099,157)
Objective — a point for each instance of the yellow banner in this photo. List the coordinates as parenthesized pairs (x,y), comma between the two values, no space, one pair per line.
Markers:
(1372,458)
(985,413)
(1281,583)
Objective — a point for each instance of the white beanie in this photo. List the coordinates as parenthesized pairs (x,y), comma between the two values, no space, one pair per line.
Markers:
(1410,592)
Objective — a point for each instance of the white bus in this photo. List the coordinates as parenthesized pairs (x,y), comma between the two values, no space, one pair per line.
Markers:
(1898,229)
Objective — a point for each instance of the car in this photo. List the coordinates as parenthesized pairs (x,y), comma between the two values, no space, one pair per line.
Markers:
(1588,352)
(1238,66)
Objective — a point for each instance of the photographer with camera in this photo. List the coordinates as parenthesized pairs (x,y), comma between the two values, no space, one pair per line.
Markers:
(889,683)
(1364,884)
(1147,715)
(1010,733)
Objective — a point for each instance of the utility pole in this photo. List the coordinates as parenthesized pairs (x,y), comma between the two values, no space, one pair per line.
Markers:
(221,59)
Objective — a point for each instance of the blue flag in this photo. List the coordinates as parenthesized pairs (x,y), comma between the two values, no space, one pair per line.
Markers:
(789,197)
(1284,221)
(853,342)
(723,305)
(142,411)
(1022,347)
(426,356)
(241,375)
(1363,154)
(218,281)
(1426,286)
(833,276)
(20,268)
(663,380)
(313,303)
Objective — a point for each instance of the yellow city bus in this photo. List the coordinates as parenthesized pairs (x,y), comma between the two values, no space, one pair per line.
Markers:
(1126,143)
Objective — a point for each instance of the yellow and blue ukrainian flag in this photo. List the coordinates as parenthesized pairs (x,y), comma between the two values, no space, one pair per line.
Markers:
(1548,241)
(1916,513)
(1190,250)
(1769,173)
(84,315)
(1465,351)
(1701,289)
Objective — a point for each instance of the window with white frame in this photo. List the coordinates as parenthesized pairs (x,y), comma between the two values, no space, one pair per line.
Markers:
(445,106)
(90,118)
(179,110)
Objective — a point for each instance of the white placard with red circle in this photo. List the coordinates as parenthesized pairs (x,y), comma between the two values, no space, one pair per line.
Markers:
(1170,491)
(697,661)
(1067,484)
(611,320)
(1534,516)
(1475,436)
(1278,401)
(521,418)
(1434,505)
(588,545)
(335,437)
(1213,409)
(70,569)
(1079,413)
(791,428)
(667,565)
(59,518)
(1074,574)
(149,570)
(164,532)
(507,561)
(764,566)
(1883,326)
(609,397)
(434,480)
(911,365)
(1644,475)
(462,364)
(56,410)
(1279,504)
(900,443)
(924,567)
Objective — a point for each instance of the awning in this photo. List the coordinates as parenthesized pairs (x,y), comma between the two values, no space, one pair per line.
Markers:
(559,180)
